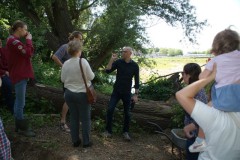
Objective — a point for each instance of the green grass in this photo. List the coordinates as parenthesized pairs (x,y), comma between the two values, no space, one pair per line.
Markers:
(170,62)
(167,65)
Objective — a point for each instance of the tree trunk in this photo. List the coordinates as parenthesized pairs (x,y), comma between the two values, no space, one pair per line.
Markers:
(59,20)
(62,21)
(27,8)
(144,110)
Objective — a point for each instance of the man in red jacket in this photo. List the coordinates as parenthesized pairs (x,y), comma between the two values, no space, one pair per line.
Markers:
(20,70)
(6,82)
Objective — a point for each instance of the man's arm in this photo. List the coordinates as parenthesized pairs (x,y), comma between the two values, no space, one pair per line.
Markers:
(186,96)
(110,63)
(136,78)
(59,54)
(56,60)
(136,86)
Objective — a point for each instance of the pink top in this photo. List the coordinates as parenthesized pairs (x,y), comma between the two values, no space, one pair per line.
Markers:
(228,68)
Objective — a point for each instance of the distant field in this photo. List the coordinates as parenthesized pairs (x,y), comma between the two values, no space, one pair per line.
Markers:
(168,65)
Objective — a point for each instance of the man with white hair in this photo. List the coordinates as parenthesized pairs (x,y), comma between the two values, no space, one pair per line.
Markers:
(126,70)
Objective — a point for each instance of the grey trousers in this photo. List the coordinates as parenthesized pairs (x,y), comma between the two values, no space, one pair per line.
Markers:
(80,111)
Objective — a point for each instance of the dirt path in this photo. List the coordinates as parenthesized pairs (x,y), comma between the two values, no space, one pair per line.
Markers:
(52,144)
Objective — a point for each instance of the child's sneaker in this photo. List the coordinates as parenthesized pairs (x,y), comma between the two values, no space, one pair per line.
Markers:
(198,147)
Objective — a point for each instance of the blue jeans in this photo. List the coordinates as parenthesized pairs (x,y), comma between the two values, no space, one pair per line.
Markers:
(80,111)
(7,93)
(20,91)
(189,155)
(126,99)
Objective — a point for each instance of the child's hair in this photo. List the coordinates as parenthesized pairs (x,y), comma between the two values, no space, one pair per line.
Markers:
(225,41)
(16,25)
(74,34)
(193,69)
(74,47)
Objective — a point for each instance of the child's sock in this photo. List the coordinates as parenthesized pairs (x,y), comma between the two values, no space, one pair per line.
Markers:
(198,146)
(199,140)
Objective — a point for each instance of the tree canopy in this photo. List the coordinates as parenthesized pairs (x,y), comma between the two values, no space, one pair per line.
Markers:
(107,25)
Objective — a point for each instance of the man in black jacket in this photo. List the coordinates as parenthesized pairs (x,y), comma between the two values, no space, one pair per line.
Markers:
(126,70)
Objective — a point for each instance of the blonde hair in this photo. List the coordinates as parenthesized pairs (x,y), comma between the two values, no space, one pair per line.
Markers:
(74,47)
(225,41)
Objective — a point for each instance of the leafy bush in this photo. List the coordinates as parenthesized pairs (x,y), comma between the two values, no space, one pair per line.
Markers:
(39,105)
(177,120)
(160,89)
(47,73)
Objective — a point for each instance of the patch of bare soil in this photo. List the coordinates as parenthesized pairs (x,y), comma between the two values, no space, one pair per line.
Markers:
(53,144)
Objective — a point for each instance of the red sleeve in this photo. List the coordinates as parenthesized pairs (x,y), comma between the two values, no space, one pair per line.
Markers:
(23,49)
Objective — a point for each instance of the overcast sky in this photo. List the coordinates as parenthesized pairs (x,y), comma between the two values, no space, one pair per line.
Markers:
(219,13)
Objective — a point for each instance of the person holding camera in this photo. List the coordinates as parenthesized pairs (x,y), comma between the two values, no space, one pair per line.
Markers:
(126,70)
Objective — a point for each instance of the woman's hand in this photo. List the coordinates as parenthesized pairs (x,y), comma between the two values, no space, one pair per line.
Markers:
(188,129)
(29,36)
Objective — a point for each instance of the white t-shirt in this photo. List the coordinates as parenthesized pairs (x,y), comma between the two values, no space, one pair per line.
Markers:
(71,75)
(228,68)
(221,131)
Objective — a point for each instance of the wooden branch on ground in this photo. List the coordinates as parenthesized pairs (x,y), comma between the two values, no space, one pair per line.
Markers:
(144,110)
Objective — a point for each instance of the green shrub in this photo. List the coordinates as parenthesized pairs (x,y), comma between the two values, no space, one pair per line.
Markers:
(160,89)
(47,73)
(177,120)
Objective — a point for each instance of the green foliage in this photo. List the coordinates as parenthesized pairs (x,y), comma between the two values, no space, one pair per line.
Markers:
(103,82)
(165,51)
(160,89)
(107,25)
(177,120)
(201,52)
(102,78)
(46,73)
(41,120)
(99,124)
(35,105)
(6,116)
(3,28)
(104,88)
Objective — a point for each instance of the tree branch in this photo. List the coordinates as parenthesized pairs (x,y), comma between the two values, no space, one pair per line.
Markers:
(27,8)
(88,6)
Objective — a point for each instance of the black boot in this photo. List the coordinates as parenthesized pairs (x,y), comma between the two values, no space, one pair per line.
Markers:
(23,127)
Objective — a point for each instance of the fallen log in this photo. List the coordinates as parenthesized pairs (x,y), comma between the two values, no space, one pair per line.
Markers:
(144,110)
